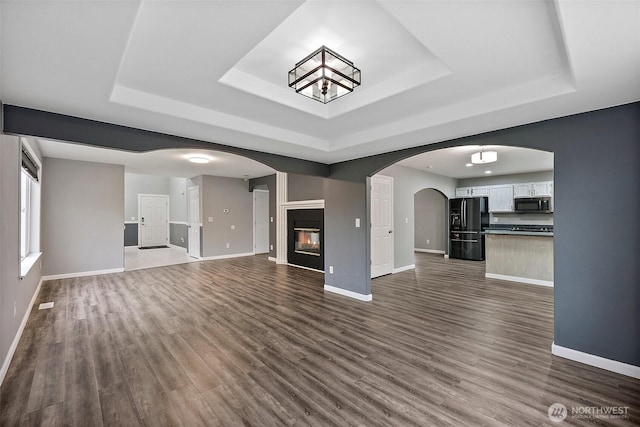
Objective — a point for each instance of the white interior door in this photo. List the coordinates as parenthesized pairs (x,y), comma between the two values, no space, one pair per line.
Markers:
(381,225)
(194,222)
(153,224)
(260,221)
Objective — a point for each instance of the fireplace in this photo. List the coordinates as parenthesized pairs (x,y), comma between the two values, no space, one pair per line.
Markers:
(307,241)
(304,238)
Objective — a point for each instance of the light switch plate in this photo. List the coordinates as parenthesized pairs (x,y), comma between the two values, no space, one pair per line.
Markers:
(357,222)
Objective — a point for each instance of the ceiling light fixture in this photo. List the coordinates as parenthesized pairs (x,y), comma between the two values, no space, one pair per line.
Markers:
(198,159)
(482,157)
(324,76)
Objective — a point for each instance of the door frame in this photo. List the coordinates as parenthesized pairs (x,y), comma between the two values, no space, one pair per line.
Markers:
(199,224)
(254,221)
(393,237)
(165,196)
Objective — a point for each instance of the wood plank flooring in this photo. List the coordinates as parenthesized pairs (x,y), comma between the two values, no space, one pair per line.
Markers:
(246,342)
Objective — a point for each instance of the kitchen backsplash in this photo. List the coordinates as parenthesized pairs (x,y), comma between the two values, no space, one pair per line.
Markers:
(520,219)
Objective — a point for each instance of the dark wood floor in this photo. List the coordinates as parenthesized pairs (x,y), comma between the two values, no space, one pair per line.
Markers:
(247,342)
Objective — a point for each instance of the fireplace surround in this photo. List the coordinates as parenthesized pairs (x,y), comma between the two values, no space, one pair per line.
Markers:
(305,237)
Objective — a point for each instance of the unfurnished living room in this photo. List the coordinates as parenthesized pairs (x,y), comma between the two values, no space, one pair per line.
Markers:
(320,212)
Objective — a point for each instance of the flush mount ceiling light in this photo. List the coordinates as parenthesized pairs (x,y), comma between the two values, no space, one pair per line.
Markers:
(198,159)
(324,76)
(482,157)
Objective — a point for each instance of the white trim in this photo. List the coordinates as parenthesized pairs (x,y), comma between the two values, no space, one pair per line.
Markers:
(131,222)
(82,274)
(272,259)
(166,196)
(305,268)
(346,293)
(281,217)
(16,339)
(371,180)
(178,222)
(215,257)
(429,251)
(405,268)
(519,279)
(597,361)
(171,245)
(446,256)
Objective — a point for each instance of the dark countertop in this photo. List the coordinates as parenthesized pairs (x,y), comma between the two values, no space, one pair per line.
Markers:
(499,231)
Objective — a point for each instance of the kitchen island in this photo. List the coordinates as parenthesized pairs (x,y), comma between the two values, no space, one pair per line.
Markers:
(519,256)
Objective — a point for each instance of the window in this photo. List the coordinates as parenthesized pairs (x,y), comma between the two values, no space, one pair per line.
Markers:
(25,214)
(29,209)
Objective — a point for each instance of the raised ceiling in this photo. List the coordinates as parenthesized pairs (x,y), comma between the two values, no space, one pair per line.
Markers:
(217,70)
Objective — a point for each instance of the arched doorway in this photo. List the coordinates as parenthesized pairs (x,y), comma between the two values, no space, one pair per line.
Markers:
(429,219)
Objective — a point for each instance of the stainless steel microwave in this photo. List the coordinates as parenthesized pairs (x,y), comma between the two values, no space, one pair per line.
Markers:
(532,205)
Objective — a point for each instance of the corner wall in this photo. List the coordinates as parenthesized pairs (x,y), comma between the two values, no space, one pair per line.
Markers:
(15,294)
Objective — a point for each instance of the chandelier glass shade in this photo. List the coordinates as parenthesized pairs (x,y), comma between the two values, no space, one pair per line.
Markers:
(324,76)
(482,157)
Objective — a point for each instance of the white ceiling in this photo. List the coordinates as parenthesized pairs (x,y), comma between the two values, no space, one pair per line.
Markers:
(452,162)
(431,70)
(162,162)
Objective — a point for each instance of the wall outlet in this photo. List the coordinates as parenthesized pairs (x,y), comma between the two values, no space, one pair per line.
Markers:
(270,247)
(406,220)
(15,309)
(428,241)
(228,245)
(182,240)
(271,219)
(357,222)
(331,269)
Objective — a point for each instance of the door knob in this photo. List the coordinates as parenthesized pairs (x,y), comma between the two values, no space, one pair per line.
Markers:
(390,231)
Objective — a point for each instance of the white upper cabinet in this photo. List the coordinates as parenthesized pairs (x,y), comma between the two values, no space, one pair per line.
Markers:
(533,189)
(472,191)
(501,198)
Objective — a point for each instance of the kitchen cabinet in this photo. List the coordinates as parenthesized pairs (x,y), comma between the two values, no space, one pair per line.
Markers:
(501,198)
(533,189)
(472,191)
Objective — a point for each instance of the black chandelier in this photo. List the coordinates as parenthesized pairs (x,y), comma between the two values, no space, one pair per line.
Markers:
(324,76)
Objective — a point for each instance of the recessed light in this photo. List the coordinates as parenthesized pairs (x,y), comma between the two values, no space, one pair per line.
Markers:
(487,172)
(469,165)
(198,159)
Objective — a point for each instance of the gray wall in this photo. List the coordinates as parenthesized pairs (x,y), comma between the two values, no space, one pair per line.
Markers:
(135,184)
(269,183)
(179,235)
(82,206)
(430,211)
(406,183)
(347,247)
(304,187)
(14,293)
(226,193)
(178,199)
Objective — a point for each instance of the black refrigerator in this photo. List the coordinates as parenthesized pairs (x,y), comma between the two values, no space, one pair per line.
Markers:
(469,216)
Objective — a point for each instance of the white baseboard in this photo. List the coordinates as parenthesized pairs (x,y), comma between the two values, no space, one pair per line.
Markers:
(177,247)
(82,274)
(429,251)
(213,258)
(346,293)
(597,361)
(446,256)
(519,279)
(273,259)
(405,268)
(16,339)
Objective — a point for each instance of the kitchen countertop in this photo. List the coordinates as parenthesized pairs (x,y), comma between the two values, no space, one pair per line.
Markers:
(518,233)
